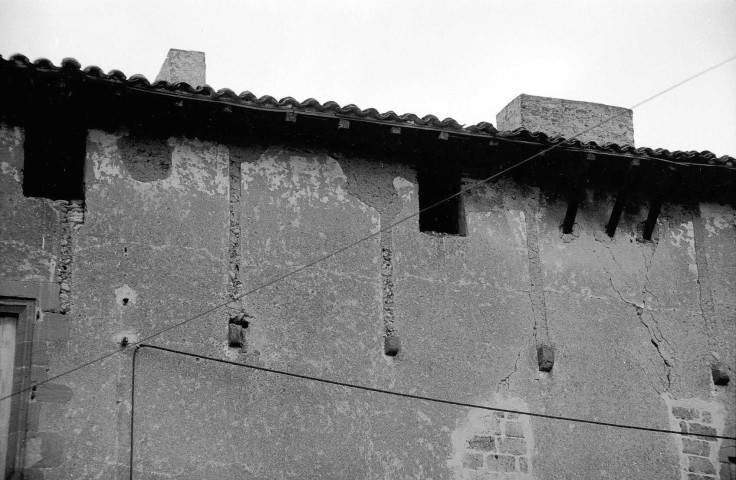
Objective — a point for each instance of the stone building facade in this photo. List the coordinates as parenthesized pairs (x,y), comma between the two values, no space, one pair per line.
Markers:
(594,282)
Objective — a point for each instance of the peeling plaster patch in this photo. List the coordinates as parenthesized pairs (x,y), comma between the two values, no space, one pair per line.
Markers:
(267,167)
(517,223)
(8,169)
(698,455)
(686,234)
(221,178)
(195,165)
(493,445)
(125,296)
(376,222)
(105,159)
(717,217)
(315,179)
(10,137)
(423,417)
(405,188)
(191,159)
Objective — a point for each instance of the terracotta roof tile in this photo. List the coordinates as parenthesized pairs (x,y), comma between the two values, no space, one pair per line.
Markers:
(248,99)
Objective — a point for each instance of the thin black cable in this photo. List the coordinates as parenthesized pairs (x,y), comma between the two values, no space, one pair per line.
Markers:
(357,242)
(421,397)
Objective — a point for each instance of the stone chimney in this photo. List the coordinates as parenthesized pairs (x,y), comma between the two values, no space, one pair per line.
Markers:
(183,66)
(568,118)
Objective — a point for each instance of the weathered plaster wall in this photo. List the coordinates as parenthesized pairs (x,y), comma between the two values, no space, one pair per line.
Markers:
(29,227)
(174,226)
(32,250)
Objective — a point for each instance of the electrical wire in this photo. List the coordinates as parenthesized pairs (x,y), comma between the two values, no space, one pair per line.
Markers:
(412,396)
(361,240)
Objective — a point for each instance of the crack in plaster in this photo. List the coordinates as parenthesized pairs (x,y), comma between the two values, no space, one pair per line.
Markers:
(705,294)
(648,267)
(655,334)
(536,294)
(506,381)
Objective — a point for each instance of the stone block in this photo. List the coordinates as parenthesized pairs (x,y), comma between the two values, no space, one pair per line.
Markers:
(695,447)
(501,463)
(184,66)
(40,356)
(33,416)
(51,446)
(694,476)
(473,461)
(45,293)
(54,328)
(700,465)
(514,429)
(482,442)
(728,471)
(699,429)
(569,118)
(33,474)
(685,413)
(53,393)
(523,465)
(727,450)
(514,446)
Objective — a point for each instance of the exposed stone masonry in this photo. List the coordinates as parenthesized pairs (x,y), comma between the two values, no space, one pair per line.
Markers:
(545,351)
(72,217)
(719,371)
(701,458)
(496,446)
(236,325)
(234,249)
(387,279)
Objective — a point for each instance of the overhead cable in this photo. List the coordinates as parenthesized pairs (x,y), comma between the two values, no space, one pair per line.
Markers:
(411,396)
(361,240)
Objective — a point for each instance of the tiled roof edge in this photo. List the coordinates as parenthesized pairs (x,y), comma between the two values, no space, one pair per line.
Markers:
(246,98)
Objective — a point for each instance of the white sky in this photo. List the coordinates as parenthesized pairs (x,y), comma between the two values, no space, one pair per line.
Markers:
(459,59)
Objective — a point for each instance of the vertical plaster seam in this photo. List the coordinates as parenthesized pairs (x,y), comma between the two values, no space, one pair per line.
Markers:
(387,279)
(536,295)
(72,217)
(705,294)
(235,283)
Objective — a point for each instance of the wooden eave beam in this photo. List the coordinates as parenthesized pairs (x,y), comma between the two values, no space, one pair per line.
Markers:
(621,197)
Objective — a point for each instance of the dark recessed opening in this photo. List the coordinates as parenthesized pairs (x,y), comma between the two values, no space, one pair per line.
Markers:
(53,166)
(125,301)
(438,212)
